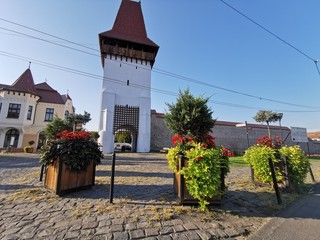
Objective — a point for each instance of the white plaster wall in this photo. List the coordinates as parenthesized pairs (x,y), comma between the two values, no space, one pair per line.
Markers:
(116,90)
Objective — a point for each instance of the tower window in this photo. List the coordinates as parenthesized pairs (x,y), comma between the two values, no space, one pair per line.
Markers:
(127,82)
(29,115)
(14,110)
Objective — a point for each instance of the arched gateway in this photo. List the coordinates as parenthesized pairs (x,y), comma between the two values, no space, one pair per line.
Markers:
(127,56)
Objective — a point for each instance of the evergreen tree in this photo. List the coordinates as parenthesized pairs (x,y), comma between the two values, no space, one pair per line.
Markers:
(189,115)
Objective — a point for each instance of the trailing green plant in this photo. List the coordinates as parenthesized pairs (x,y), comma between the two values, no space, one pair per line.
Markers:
(77,148)
(298,164)
(202,175)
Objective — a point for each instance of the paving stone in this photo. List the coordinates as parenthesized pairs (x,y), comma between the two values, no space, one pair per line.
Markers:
(121,235)
(102,230)
(219,233)
(11,230)
(204,235)
(24,223)
(192,235)
(131,226)
(142,224)
(179,236)
(165,237)
(72,234)
(135,234)
(177,222)
(167,223)
(116,228)
(166,230)
(178,228)
(89,225)
(151,232)
(190,226)
(45,233)
(231,232)
(28,235)
(117,221)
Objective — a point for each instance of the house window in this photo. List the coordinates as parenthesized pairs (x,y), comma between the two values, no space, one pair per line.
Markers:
(11,138)
(14,110)
(49,114)
(29,113)
(66,114)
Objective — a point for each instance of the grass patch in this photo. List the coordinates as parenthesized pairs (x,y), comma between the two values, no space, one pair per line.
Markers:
(34,195)
(238,162)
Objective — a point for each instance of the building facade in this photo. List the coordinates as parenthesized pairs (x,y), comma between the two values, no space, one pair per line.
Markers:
(127,56)
(25,110)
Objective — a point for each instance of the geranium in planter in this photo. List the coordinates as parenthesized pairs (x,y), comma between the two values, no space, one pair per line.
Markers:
(70,159)
(195,160)
(201,167)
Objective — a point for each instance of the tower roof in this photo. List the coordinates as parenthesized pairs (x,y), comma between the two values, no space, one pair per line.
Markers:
(24,83)
(129,25)
(128,36)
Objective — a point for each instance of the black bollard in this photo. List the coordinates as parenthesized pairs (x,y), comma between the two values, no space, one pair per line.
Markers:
(112,177)
(41,172)
(275,183)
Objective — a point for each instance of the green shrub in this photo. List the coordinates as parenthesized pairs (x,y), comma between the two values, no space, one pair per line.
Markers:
(298,164)
(258,158)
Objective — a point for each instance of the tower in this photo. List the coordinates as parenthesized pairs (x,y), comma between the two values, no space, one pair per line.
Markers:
(127,56)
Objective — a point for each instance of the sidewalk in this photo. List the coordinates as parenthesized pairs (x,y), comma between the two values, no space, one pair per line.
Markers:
(299,222)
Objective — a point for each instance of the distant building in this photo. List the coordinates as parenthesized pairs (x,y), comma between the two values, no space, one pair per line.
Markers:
(25,110)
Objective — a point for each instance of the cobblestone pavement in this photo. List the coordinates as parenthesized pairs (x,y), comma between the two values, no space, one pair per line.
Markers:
(144,205)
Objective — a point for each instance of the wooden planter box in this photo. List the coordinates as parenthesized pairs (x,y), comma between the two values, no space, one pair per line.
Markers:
(184,198)
(61,180)
(29,150)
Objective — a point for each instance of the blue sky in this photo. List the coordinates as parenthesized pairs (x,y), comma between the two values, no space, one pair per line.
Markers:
(202,40)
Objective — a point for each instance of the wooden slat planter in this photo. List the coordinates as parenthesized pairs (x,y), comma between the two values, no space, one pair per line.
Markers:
(61,180)
(181,190)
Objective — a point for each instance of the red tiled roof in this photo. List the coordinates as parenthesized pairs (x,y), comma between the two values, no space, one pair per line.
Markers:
(66,97)
(129,25)
(24,83)
(48,94)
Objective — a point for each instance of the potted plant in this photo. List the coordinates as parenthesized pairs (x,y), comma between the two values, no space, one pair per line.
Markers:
(291,165)
(70,160)
(29,148)
(199,166)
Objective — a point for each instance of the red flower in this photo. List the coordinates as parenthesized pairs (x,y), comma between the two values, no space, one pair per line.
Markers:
(199,158)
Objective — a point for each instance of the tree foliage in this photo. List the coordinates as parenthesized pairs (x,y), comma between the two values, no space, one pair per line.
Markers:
(189,115)
(57,125)
(268,117)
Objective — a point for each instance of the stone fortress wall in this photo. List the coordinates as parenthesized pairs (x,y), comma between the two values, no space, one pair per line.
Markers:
(228,135)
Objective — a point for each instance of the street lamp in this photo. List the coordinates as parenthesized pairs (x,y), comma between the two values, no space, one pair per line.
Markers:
(280,115)
(245,124)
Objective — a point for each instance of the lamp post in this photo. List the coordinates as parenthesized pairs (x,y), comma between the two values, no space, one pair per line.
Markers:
(280,115)
(245,124)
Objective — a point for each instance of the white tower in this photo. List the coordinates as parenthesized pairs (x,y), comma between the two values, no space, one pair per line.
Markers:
(127,56)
